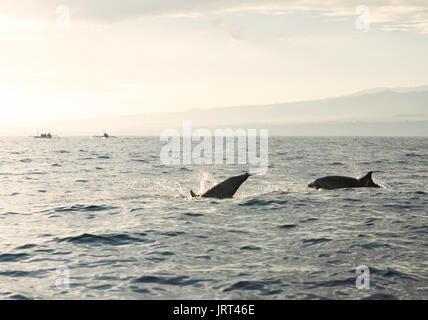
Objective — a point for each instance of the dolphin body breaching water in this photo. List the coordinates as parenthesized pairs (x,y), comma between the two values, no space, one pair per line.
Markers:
(228,187)
(225,189)
(338,182)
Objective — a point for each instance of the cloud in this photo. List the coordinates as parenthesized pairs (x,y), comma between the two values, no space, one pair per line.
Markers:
(40,75)
(30,37)
(406,15)
(234,32)
(12,23)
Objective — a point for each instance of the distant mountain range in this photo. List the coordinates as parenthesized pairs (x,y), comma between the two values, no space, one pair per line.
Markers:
(379,112)
(400,89)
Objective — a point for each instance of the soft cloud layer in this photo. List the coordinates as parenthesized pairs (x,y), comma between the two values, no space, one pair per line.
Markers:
(131,57)
(401,15)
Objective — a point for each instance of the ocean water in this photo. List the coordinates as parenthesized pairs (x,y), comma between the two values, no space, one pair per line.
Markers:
(91,218)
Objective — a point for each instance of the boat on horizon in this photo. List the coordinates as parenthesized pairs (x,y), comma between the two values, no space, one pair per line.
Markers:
(104,136)
(43,136)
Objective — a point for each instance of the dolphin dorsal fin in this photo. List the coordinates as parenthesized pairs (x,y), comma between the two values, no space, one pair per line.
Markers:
(368,175)
(367,181)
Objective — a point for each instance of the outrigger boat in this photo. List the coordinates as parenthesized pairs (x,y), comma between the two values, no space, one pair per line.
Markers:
(104,136)
(43,136)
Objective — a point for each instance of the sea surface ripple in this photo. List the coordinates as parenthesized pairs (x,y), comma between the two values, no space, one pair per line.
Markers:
(122,225)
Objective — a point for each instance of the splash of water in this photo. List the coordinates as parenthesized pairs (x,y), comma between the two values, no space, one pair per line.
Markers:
(205,178)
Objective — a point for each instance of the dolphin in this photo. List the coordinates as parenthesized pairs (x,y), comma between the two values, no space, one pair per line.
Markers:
(338,182)
(225,189)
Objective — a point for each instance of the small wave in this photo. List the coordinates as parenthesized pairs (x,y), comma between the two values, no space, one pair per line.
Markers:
(389,272)
(24,274)
(287,226)
(308,220)
(336,164)
(203,257)
(13,257)
(255,285)
(139,160)
(310,242)
(101,287)
(201,237)
(418,229)
(275,193)
(26,246)
(194,214)
(238,231)
(104,239)
(380,161)
(82,208)
(17,213)
(139,290)
(260,202)
(22,174)
(163,253)
(414,155)
(295,158)
(251,248)
(421,193)
(332,283)
(370,221)
(373,245)
(34,172)
(403,207)
(156,259)
(172,233)
(352,200)
(380,296)
(174,281)
(18,297)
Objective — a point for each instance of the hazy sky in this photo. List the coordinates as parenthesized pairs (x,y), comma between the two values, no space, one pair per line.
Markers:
(141,56)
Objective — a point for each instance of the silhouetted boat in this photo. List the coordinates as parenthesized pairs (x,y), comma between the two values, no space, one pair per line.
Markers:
(104,136)
(43,136)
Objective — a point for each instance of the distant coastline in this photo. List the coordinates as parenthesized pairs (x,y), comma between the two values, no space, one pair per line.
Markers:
(403,112)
